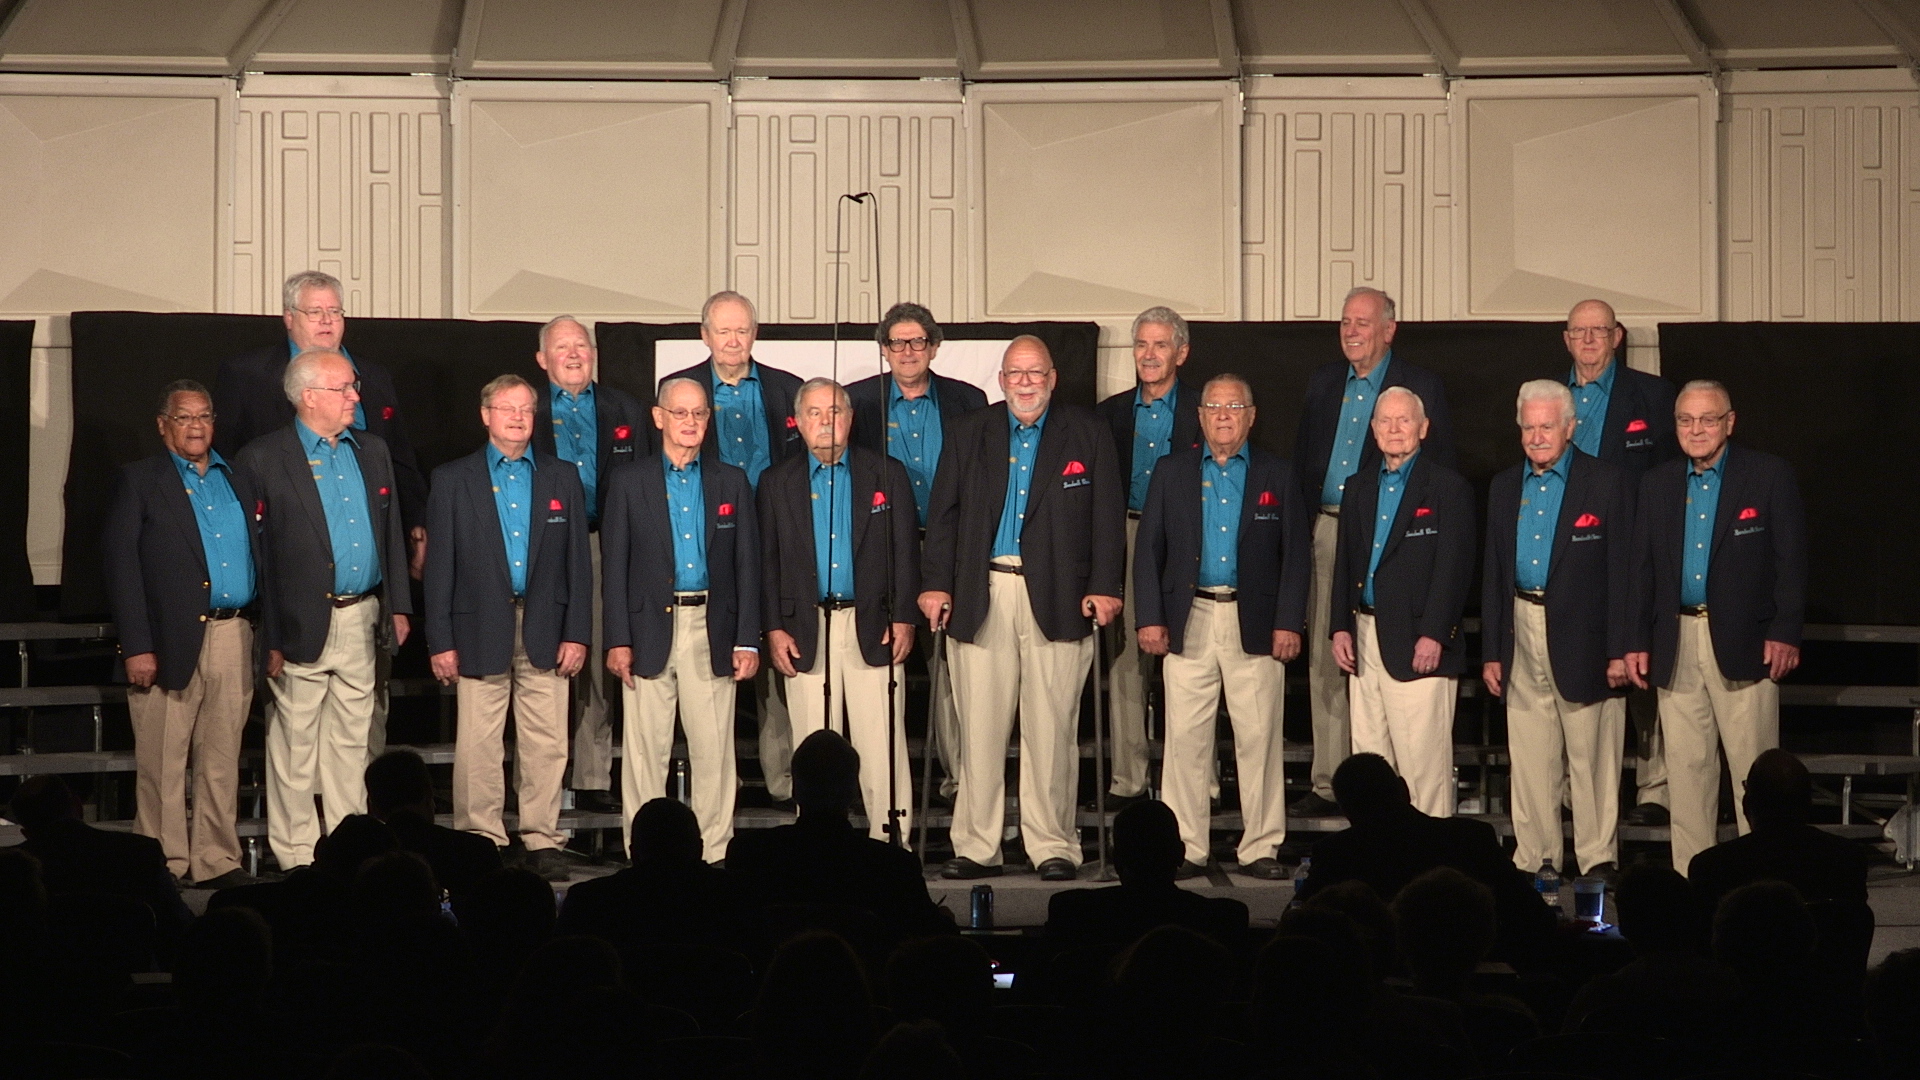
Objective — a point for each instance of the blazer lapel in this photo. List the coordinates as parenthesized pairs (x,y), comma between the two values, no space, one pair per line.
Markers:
(865,480)
(1570,500)
(1047,463)
(299,468)
(545,483)
(1416,482)
(995,453)
(480,489)
(1728,508)
(179,506)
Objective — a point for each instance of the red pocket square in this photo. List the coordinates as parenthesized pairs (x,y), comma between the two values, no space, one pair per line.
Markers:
(792,423)
(554,504)
(1422,511)
(1636,425)
(879,498)
(259,508)
(726,509)
(1749,514)
(1267,499)
(383,491)
(1585,521)
(623,432)
(386,413)
(1073,468)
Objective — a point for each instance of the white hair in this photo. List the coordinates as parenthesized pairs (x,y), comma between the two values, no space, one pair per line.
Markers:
(556,321)
(1544,390)
(724,296)
(303,369)
(1163,316)
(666,388)
(1419,407)
(1387,307)
(1706,386)
(839,394)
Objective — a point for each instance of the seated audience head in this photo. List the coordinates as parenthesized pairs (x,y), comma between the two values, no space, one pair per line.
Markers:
(357,838)
(568,965)
(1893,1011)
(914,1051)
(23,896)
(1371,918)
(1659,912)
(398,781)
(1146,843)
(224,962)
(395,889)
(665,833)
(826,775)
(510,909)
(1368,789)
(44,800)
(1171,984)
(814,1012)
(1344,981)
(948,979)
(1779,791)
(1764,932)
(1447,924)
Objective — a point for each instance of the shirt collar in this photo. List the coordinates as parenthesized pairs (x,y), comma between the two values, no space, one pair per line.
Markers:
(815,465)
(560,393)
(1239,455)
(1037,425)
(293,349)
(752,375)
(1559,466)
(1718,468)
(310,441)
(1405,466)
(1604,382)
(894,394)
(214,461)
(666,463)
(495,458)
(1171,397)
(1373,378)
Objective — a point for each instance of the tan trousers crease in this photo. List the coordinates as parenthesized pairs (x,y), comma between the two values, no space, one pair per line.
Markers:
(537,699)
(593,730)
(860,695)
(943,720)
(1408,723)
(705,704)
(317,735)
(1126,695)
(1557,744)
(1650,771)
(1255,688)
(198,727)
(1327,684)
(1701,713)
(1010,665)
(776,734)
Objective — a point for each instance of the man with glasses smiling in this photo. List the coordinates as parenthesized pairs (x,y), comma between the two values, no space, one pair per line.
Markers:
(1720,555)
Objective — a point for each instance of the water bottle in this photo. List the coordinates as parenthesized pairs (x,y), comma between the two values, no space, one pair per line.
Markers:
(1547,883)
(1300,874)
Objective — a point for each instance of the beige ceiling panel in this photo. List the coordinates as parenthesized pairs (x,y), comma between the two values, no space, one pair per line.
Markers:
(1794,33)
(1101,200)
(1517,37)
(1019,39)
(362,35)
(639,39)
(848,37)
(179,36)
(1357,36)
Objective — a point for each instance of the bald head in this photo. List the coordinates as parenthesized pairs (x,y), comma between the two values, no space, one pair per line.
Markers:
(1779,791)
(1593,336)
(1027,377)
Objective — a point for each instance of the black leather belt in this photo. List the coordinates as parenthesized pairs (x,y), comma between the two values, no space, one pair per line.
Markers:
(1330,511)
(349,601)
(593,526)
(1218,596)
(690,599)
(1005,568)
(222,614)
(1531,596)
(1133,515)
(835,605)
(1364,609)
(1698,611)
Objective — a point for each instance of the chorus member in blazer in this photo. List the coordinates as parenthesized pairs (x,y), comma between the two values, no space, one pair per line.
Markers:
(682,601)
(1220,584)
(1333,443)
(1158,416)
(1024,560)
(753,428)
(183,563)
(1720,550)
(1404,566)
(509,598)
(598,428)
(335,596)
(839,582)
(1556,590)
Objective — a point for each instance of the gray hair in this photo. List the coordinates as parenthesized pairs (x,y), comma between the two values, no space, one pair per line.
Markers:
(1387,305)
(1419,407)
(723,296)
(1227,377)
(500,384)
(808,387)
(556,321)
(1705,386)
(660,395)
(1164,316)
(304,280)
(908,311)
(180,386)
(1545,390)
(300,371)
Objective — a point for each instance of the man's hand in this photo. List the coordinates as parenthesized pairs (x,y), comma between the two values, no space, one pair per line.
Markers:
(1616,673)
(400,629)
(1490,674)
(446,666)
(1343,651)
(900,636)
(1154,640)
(935,606)
(783,651)
(1286,646)
(1636,663)
(417,551)
(573,657)
(746,664)
(275,661)
(620,662)
(1782,658)
(142,668)
(1104,609)
(1426,656)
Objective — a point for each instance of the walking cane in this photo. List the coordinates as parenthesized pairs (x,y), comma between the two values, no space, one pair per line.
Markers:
(1100,749)
(936,674)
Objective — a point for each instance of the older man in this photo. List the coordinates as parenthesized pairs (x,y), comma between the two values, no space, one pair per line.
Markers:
(839,579)
(1220,583)
(1024,561)
(1155,418)
(598,428)
(336,596)
(1404,565)
(509,595)
(1332,444)
(182,563)
(1720,552)
(682,607)
(1557,586)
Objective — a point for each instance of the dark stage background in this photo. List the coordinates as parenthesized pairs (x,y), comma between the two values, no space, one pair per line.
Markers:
(16,401)
(1838,401)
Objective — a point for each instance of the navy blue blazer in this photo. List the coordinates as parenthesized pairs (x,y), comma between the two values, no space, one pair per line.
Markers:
(1320,419)
(296,613)
(1276,550)
(1637,433)
(777,389)
(1420,588)
(1757,573)
(469,590)
(636,565)
(1118,412)
(1589,578)
(156,565)
(1074,542)
(869,396)
(881,498)
(621,424)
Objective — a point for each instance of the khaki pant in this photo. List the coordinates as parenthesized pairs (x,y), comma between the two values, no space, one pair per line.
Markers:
(1650,772)
(538,699)
(1126,695)
(943,721)
(1011,665)
(317,735)
(1700,713)
(1327,684)
(197,727)
(1408,723)
(860,692)
(705,703)
(776,734)
(1256,689)
(593,731)
(1555,742)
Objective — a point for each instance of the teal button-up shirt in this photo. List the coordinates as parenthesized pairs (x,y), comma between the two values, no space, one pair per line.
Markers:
(576,438)
(223,531)
(1023,446)
(832,490)
(1590,407)
(915,439)
(687,510)
(1221,489)
(1703,503)
(1393,488)
(1356,427)
(1152,436)
(741,414)
(513,498)
(343,499)
(1540,498)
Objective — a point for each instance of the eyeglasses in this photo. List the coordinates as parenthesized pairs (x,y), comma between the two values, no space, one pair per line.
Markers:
(1703,421)
(515,410)
(1025,376)
(341,389)
(1228,407)
(184,419)
(1590,333)
(323,314)
(916,344)
(684,415)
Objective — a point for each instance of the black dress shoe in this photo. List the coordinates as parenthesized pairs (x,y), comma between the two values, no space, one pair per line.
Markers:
(965,869)
(1647,814)
(549,864)
(595,801)
(1057,870)
(229,880)
(1265,869)
(1607,872)
(1117,803)
(1312,805)
(1190,870)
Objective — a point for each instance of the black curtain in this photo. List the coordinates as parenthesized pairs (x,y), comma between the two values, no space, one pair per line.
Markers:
(1838,401)
(16,401)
